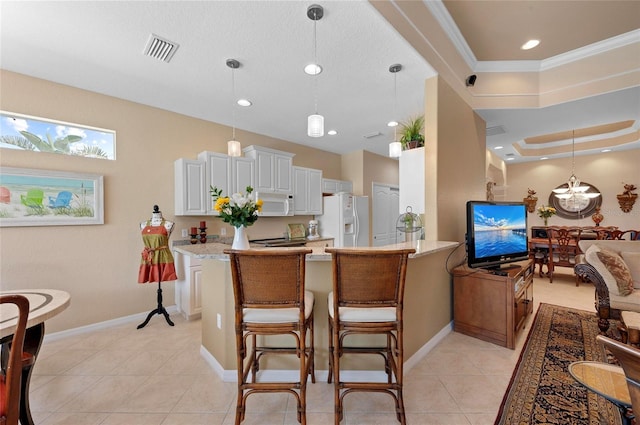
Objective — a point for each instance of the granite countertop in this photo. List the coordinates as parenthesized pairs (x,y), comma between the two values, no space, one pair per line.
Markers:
(215,250)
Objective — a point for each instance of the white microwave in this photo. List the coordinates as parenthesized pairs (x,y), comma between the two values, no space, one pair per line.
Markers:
(275,204)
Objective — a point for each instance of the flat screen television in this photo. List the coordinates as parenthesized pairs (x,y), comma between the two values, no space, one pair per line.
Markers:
(496,233)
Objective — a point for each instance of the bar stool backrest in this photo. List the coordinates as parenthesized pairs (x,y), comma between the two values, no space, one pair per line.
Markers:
(369,278)
(263,278)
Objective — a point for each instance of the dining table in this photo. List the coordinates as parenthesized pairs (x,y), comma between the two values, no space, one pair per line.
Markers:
(43,305)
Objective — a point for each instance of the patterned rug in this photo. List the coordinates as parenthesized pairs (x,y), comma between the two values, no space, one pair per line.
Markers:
(541,390)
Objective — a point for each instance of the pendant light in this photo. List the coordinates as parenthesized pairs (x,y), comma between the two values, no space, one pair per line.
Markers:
(315,122)
(574,189)
(395,147)
(233,146)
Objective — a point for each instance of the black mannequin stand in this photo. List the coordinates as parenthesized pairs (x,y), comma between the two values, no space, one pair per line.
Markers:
(159,310)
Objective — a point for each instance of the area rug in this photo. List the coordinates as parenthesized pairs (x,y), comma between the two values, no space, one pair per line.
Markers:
(541,390)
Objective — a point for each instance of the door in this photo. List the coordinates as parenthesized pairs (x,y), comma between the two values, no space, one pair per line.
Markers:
(385,206)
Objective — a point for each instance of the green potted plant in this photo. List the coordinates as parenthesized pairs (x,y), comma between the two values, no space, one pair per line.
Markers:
(411,133)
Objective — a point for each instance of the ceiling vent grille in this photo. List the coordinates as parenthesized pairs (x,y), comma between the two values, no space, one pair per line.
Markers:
(160,48)
(495,130)
(372,135)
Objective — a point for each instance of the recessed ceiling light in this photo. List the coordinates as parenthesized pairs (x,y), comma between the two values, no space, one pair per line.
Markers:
(244,102)
(498,148)
(510,159)
(313,69)
(392,124)
(543,158)
(332,132)
(530,44)
(606,150)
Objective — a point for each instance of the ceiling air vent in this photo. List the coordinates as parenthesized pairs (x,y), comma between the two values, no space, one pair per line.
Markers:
(495,130)
(372,135)
(160,48)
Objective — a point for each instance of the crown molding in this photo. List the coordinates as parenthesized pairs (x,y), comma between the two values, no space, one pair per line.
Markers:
(439,11)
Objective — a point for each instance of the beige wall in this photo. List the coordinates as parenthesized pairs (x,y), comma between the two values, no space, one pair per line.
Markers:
(98,265)
(455,161)
(605,171)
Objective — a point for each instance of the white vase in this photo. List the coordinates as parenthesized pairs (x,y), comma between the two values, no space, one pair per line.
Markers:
(240,240)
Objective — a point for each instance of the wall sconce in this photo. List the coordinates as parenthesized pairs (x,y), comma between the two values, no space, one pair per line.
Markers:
(530,201)
(627,198)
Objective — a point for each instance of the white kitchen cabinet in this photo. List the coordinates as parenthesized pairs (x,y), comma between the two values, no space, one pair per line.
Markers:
(325,243)
(336,186)
(217,174)
(190,193)
(188,286)
(273,169)
(243,174)
(411,179)
(307,191)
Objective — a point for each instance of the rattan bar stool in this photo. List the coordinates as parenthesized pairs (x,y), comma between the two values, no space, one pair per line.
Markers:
(367,299)
(270,299)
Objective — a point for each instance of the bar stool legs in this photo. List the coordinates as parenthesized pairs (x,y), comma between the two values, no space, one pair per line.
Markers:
(367,299)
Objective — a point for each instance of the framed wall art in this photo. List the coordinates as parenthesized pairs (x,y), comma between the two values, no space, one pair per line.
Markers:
(28,133)
(50,198)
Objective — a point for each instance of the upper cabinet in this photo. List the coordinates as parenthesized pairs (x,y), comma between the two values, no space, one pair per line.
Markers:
(217,174)
(273,169)
(307,191)
(190,193)
(336,186)
(243,174)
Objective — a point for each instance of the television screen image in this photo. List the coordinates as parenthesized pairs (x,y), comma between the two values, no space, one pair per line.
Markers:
(496,232)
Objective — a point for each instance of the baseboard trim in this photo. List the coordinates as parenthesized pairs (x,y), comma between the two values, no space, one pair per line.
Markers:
(288,375)
(139,317)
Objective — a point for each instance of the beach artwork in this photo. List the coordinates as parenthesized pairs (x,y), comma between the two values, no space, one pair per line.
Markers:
(35,134)
(49,198)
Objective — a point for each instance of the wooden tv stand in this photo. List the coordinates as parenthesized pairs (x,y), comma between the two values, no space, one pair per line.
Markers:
(492,307)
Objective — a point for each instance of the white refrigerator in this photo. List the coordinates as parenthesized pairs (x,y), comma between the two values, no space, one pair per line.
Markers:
(345,218)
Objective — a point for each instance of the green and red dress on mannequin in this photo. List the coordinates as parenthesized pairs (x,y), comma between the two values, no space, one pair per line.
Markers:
(156,264)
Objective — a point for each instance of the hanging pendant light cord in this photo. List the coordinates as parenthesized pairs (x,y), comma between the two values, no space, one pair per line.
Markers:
(233,106)
(573,153)
(315,61)
(395,106)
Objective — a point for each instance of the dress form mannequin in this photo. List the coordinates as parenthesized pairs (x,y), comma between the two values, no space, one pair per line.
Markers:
(156,264)
(156,220)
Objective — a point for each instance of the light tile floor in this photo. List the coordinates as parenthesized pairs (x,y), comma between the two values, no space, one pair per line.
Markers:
(155,376)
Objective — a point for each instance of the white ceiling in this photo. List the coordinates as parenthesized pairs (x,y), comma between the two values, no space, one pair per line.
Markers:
(98,46)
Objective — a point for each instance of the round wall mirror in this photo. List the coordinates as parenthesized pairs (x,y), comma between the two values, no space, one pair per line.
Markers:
(577,206)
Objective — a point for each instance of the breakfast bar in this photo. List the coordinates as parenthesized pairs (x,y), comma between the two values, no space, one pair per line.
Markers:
(427,310)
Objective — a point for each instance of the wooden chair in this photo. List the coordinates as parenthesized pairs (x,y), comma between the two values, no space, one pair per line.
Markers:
(11,379)
(270,299)
(367,298)
(605,233)
(563,248)
(629,358)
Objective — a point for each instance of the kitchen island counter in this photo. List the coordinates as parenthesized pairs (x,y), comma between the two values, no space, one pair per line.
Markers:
(427,311)
(215,250)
